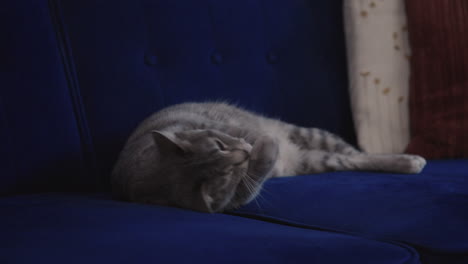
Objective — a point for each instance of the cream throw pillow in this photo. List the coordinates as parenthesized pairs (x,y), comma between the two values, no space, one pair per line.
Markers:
(378,62)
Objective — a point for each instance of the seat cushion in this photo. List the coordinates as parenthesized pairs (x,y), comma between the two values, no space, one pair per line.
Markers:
(427,210)
(59,228)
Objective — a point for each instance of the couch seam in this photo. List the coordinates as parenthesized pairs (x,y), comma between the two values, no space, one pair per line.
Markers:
(86,142)
(288,222)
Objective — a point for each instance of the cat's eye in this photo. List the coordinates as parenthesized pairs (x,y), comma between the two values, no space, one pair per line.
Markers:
(220,145)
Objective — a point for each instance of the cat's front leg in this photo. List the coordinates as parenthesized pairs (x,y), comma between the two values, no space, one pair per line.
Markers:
(401,163)
(263,158)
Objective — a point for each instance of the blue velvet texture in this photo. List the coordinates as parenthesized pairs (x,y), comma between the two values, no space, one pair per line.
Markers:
(78,76)
(41,148)
(427,211)
(88,229)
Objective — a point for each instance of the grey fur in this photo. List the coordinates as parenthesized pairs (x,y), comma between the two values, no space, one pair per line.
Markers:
(212,157)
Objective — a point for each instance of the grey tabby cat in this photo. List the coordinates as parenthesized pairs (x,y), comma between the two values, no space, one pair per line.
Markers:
(212,157)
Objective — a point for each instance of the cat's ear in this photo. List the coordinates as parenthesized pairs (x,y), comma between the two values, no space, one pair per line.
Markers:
(168,144)
(216,193)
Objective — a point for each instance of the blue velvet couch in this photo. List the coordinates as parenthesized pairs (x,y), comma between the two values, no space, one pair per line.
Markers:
(78,75)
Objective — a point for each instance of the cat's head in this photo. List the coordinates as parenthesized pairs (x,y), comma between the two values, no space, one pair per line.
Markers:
(202,170)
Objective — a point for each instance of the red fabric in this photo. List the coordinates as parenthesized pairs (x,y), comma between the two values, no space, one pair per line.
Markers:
(438,31)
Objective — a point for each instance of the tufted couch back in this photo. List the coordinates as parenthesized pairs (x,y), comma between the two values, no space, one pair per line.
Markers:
(78,76)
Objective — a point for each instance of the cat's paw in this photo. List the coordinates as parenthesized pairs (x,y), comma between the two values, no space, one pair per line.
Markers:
(410,163)
(265,148)
(263,156)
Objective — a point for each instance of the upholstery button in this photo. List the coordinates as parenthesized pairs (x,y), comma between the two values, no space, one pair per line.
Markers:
(216,57)
(272,58)
(151,60)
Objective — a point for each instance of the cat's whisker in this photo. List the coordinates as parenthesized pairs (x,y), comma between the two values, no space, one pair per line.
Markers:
(249,187)
(251,181)
(250,184)
(260,191)
(258,204)
(265,200)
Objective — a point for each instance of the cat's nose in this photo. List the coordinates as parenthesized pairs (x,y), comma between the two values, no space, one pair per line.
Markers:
(240,156)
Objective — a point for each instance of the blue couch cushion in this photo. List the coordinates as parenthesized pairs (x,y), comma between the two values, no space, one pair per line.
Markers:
(428,211)
(133,57)
(54,228)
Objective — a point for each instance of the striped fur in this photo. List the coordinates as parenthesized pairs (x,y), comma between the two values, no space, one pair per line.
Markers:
(272,149)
